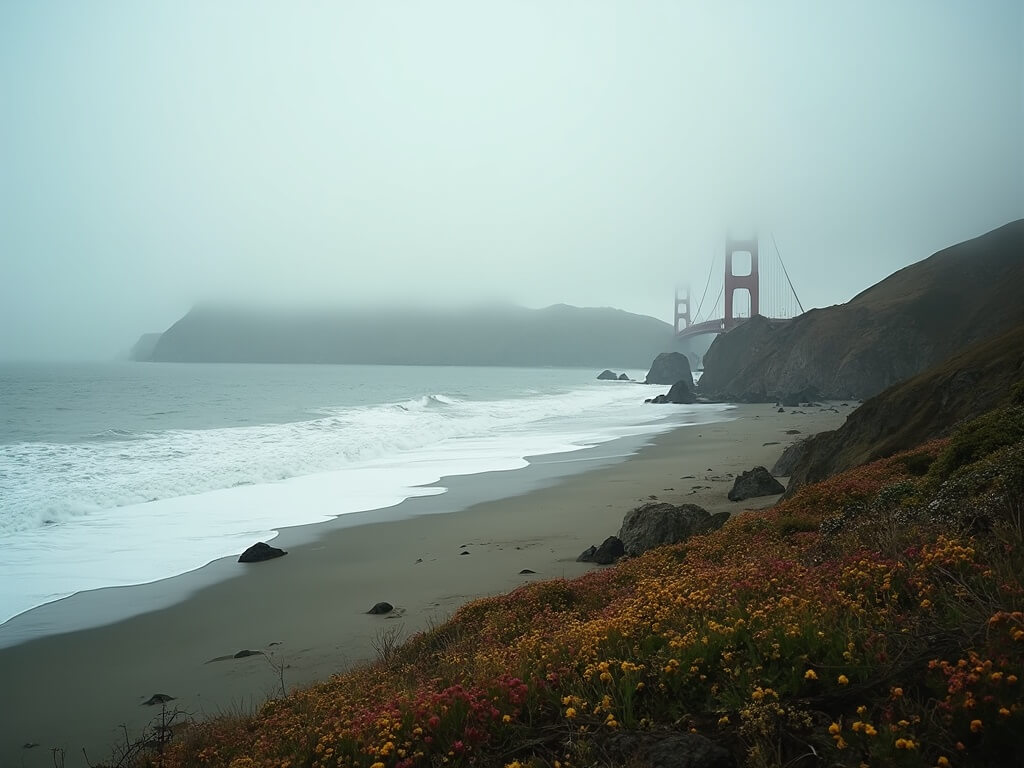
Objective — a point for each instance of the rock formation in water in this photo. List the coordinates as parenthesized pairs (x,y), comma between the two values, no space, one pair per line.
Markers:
(910,321)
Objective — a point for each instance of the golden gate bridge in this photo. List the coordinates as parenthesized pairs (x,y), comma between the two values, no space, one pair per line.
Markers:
(751,286)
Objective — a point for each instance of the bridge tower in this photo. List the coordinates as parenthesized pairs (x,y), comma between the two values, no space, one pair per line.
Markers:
(734,282)
(683,309)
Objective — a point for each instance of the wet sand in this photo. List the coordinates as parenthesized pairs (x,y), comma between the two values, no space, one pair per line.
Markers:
(305,613)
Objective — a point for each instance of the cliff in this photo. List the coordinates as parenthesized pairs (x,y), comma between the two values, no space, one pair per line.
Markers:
(514,336)
(910,321)
(926,406)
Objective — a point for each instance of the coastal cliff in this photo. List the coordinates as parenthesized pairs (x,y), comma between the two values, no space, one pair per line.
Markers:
(559,335)
(913,319)
(926,406)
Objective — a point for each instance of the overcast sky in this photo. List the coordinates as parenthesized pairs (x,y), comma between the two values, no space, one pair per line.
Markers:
(157,154)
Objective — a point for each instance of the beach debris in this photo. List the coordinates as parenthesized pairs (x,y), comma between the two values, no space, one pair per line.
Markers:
(782,410)
(525,571)
(611,549)
(381,608)
(157,698)
(245,653)
(259,552)
(657,524)
(792,431)
(419,560)
(30,745)
(271,645)
(755,482)
(464,552)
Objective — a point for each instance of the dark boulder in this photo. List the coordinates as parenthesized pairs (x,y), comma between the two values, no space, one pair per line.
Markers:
(796,398)
(681,393)
(756,482)
(623,377)
(259,552)
(790,457)
(381,608)
(657,524)
(610,550)
(587,555)
(669,750)
(607,375)
(668,368)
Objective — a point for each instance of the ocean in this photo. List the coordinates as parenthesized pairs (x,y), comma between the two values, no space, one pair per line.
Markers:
(115,474)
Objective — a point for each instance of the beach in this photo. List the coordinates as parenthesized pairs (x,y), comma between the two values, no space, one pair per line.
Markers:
(305,614)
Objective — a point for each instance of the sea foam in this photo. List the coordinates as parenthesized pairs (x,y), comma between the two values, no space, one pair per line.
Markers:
(132,508)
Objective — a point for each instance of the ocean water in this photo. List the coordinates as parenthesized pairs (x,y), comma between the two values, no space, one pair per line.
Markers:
(120,473)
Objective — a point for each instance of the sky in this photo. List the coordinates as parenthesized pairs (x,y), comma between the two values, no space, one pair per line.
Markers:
(155,155)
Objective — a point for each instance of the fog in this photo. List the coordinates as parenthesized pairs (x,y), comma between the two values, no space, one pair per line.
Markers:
(154,155)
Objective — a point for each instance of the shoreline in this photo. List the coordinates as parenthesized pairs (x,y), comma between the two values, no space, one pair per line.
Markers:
(308,609)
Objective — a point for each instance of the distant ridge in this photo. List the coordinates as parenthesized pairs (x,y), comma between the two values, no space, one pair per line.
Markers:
(895,329)
(559,335)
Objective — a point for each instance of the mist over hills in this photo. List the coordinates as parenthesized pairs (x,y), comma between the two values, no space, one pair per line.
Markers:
(558,335)
(915,318)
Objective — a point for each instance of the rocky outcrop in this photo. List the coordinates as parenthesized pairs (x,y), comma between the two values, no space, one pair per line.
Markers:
(753,483)
(681,393)
(668,368)
(259,552)
(610,550)
(927,406)
(789,459)
(623,377)
(142,350)
(607,375)
(381,608)
(892,331)
(657,524)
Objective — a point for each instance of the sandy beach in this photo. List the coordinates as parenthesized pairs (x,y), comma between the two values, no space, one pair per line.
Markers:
(307,611)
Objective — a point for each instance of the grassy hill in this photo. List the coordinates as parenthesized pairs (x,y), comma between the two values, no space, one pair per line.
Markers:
(874,618)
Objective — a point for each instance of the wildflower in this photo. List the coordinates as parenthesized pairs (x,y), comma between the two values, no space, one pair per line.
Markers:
(507,719)
(513,764)
(1003,711)
(570,713)
(834,729)
(378,764)
(843,680)
(976,726)
(723,720)
(897,693)
(942,762)
(810,674)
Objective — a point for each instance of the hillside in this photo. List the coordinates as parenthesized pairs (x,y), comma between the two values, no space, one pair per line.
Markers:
(926,406)
(910,321)
(875,618)
(559,335)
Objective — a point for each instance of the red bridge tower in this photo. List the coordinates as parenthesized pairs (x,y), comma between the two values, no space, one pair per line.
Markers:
(735,282)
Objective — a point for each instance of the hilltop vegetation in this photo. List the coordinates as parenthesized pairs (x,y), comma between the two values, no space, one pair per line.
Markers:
(874,618)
